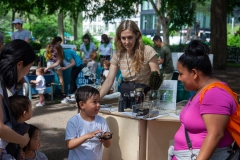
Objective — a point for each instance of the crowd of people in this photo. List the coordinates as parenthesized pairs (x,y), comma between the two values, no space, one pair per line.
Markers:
(208,134)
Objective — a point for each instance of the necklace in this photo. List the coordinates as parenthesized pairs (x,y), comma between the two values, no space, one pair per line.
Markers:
(128,66)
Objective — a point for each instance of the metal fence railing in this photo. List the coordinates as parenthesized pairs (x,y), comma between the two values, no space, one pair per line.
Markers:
(233,54)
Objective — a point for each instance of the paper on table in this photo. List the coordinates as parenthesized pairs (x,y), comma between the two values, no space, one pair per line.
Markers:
(141,117)
(109,109)
(173,115)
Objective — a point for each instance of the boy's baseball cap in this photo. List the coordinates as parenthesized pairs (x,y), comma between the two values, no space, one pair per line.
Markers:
(17,21)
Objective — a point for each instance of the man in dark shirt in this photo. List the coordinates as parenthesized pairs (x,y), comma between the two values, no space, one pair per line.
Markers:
(165,57)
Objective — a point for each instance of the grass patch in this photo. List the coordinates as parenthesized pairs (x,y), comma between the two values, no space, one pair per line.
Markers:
(232,64)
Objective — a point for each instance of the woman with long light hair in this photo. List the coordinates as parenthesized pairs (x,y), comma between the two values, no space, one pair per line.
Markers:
(134,59)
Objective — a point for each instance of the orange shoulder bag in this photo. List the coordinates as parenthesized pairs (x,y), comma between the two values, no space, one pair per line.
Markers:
(233,125)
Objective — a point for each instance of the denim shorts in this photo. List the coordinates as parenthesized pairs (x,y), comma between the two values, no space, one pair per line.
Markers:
(221,153)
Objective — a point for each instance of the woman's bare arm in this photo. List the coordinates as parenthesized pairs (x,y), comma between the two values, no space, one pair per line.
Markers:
(216,126)
(109,80)
(153,63)
(8,134)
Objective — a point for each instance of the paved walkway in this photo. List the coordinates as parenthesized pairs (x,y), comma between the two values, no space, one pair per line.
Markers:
(52,120)
(53,117)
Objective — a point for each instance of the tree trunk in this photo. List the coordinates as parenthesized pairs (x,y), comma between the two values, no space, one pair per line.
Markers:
(75,25)
(219,33)
(158,19)
(80,26)
(165,30)
(158,25)
(60,26)
(188,35)
(13,18)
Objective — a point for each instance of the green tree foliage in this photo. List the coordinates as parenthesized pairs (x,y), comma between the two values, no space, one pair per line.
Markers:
(45,29)
(112,9)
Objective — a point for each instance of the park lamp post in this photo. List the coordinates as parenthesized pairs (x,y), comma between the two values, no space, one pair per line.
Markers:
(145,21)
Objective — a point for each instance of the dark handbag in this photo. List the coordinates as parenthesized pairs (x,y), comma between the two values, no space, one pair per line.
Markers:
(127,86)
(235,155)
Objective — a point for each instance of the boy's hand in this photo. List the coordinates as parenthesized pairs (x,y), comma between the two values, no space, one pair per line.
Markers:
(102,140)
(93,134)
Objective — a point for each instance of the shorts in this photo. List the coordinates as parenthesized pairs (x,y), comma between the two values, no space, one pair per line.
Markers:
(50,63)
(41,91)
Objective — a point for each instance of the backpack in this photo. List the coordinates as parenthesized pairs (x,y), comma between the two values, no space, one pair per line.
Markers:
(11,148)
(233,125)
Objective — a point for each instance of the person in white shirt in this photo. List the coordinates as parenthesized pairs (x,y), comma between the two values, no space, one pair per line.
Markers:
(87,47)
(20,33)
(40,86)
(105,49)
(83,128)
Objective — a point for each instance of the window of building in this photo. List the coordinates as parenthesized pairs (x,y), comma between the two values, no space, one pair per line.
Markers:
(145,5)
(149,21)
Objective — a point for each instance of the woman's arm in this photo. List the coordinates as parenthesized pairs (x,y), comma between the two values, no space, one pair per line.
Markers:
(153,63)
(109,81)
(72,63)
(53,65)
(8,134)
(216,126)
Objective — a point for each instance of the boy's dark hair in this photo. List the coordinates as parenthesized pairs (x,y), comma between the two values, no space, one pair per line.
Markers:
(196,57)
(157,37)
(18,104)
(31,131)
(84,93)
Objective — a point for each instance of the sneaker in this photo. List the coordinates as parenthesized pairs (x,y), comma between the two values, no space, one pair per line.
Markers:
(40,104)
(65,100)
(71,99)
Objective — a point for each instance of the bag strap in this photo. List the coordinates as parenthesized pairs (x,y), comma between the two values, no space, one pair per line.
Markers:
(219,85)
(189,143)
(6,104)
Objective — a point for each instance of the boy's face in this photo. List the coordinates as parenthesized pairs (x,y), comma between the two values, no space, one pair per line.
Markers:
(92,105)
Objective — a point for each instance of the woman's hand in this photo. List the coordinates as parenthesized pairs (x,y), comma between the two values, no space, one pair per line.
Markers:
(61,68)
(25,140)
(45,70)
